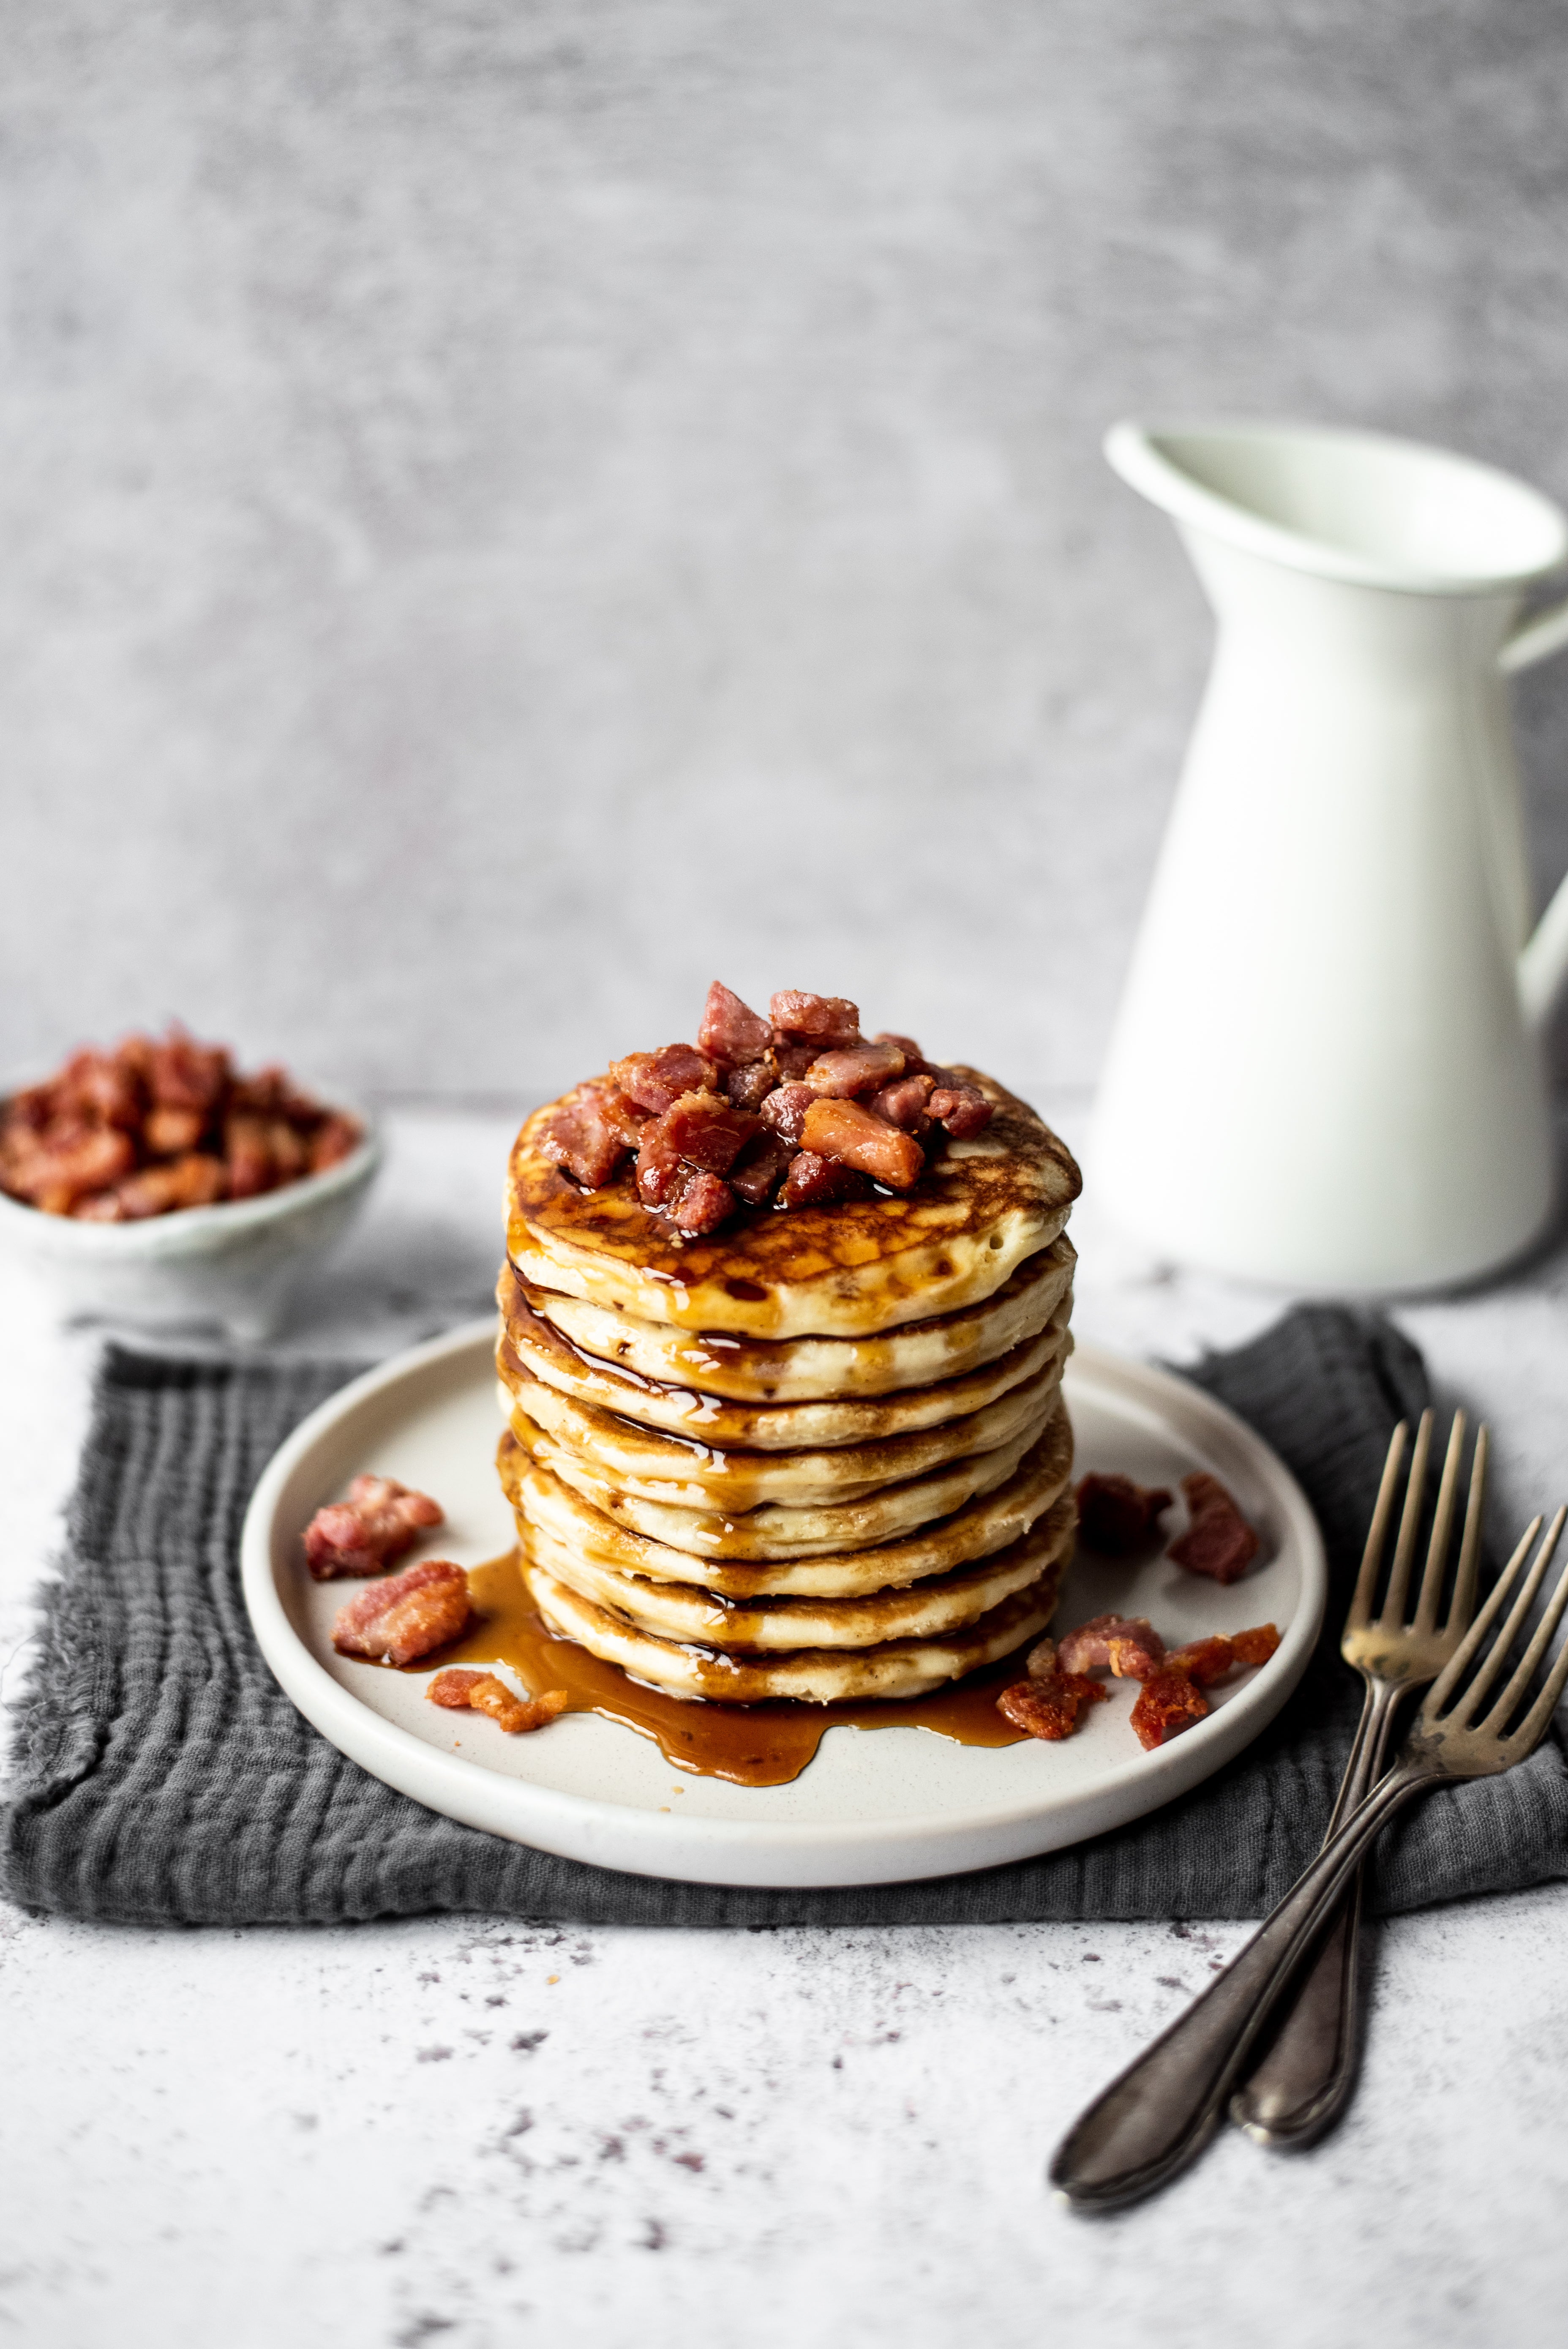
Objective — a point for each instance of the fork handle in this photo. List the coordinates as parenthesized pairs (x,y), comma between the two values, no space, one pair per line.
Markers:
(1161,2111)
(1304,2079)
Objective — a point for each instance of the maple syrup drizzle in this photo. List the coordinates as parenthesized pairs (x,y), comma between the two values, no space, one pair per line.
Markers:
(750,1745)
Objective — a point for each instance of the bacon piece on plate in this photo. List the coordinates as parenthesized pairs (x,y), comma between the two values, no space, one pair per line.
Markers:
(962,1109)
(1167,1702)
(1256,1646)
(814,1018)
(466,1691)
(844,1131)
(854,1069)
(914,1057)
(1207,1661)
(407,1617)
(903,1102)
(379,1521)
(1047,1704)
(1127,1645)
(760,1167)
(784,1108)
(707,1129)
(814,1182)
(792,1060)
(699,1202)
(1219,1542)
(1117,1516)
(653,1080)
(729,1029)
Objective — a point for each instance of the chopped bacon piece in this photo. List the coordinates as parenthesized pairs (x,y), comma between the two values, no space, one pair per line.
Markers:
(653,1080)
(465,1692)
(1129,1645)
(399,1620)
(1204,1660)
(248,1154)
(197,1180)
(1219,1542)
(1167,1702)
(1207,1661)
(844,1131)
(590,1135)
(379,1520)
(707,1129)
(337,1138)
(1256,1646)
(814,1182)
(903,1102)
(962,1109)
(101,1086)
(749,1087)
(914,1057)
(784,1108)
(169,1132)
(1117,1516)
(757,1170)
(58,1166)
(183,1074)
(699,1202)
(792,1060)
(819,1019)
(658,1164)
(729,1029)
(854,1069)
(1048,1705)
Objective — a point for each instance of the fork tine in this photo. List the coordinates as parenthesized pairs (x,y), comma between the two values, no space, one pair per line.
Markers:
(1531,1729)
(1442,1528)
(1497,1655)
(1393,1612)
(1530,1662)
(1464,1655)
(1360,1613)
(1463,1600)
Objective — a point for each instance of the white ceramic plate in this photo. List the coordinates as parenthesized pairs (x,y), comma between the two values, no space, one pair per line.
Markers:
(875,1806)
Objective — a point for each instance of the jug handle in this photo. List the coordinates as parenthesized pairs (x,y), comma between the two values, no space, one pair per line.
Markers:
(1543,963)
(1535,638)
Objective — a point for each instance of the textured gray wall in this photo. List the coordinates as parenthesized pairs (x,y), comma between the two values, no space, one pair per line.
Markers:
(511,508)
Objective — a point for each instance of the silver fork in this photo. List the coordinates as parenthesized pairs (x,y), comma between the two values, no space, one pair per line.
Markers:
(1157,2116)
(1301,2083)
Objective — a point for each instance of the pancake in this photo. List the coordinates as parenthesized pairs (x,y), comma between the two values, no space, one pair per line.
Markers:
(979,1528)
(776,1532)
(531,1346)
(803,1370)
(947,1602)
(851,1269)
(649,1466)
(894,1668)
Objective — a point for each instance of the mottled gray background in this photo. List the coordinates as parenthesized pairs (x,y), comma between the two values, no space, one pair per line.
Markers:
(510,507)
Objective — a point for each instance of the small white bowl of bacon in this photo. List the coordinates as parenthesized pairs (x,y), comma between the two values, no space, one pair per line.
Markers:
(156,1186)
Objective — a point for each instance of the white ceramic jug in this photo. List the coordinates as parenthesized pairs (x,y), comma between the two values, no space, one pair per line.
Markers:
(1326,1069)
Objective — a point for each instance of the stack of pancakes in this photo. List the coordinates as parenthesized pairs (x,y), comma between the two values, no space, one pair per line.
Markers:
(821,1455)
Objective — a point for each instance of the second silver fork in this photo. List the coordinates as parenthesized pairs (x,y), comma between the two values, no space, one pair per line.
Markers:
(1303,2080)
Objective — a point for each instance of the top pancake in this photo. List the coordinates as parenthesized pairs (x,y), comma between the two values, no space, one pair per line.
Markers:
(845,1270)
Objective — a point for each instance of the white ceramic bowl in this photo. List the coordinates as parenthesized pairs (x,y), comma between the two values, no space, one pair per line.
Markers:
(234,1266)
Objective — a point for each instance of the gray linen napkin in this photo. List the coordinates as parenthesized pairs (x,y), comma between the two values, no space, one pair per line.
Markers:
(161,1777)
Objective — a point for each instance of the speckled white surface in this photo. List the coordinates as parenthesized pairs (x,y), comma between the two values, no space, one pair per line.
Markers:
(468,2132)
